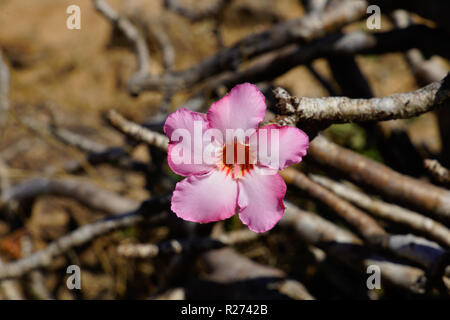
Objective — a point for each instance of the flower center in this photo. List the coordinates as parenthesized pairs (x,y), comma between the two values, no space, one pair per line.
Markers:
(237,160)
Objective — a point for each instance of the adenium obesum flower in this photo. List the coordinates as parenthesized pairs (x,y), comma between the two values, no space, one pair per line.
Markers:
(231,165)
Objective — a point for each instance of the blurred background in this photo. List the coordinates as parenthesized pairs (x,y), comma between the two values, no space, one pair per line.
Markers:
(65,81)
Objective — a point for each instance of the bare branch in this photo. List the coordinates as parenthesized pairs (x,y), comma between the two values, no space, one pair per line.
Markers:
(436,10)
(329,110)
(306,28)
(97,153)
(36,278)
(366,225)
(347,248)
(275,63)
(82,191)
(388,211)
(82,235)
(131,32)
(78,141)
(169,247)
(315,5)
(137,132)
(417,249)
(249,278)
(186,245)
(425,71)
(171,294)
(373,233)
(384,180)
(165,44)
(439,173)
(196,15)
(10,289)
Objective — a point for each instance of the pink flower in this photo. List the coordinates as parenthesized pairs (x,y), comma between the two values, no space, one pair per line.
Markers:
(218,186)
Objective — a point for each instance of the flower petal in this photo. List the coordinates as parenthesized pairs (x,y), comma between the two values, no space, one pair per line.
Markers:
(244,107)
(185,121)
(260,200)
(205,198)
(279,146)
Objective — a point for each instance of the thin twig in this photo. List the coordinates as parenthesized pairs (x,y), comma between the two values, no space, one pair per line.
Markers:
(36,278)
(82,191)
(78,141)
(10,289)
(438,172)
(131,32)
(137,132)
(150,250)
(169,247)
(425,72)
(195,15)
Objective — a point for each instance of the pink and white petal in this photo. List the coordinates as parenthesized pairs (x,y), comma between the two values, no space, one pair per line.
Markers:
(206,198)
(279,146)
(183,118)
(193,124)
(188,167)
(260,200)
(244,107)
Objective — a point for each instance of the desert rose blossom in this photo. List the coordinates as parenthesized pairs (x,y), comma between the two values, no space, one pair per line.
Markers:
(228,172)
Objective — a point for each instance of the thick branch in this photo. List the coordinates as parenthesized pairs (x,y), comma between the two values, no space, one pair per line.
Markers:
(341,109)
